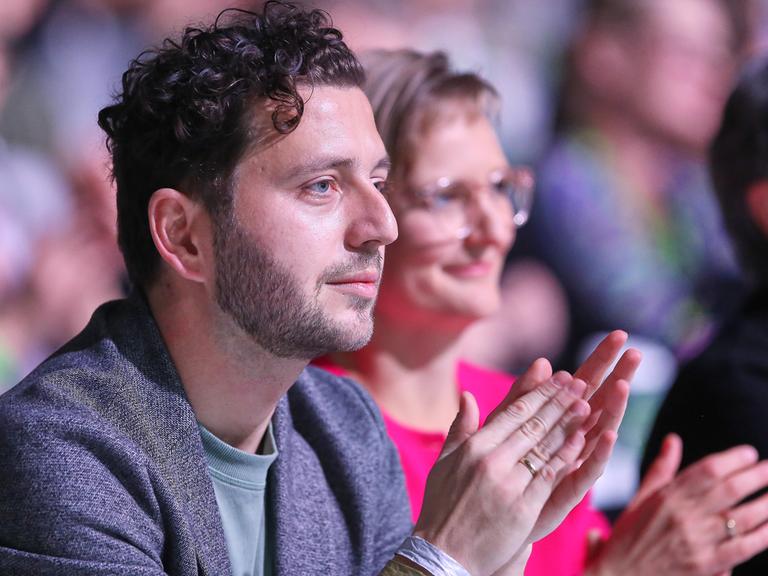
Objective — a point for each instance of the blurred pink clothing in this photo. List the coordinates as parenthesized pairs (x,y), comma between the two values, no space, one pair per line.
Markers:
(563,552)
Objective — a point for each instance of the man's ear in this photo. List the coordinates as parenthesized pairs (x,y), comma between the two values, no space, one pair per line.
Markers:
(180,229)
(757,203)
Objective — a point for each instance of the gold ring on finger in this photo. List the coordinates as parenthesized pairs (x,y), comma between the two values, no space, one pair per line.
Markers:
(525,461)
(730,527)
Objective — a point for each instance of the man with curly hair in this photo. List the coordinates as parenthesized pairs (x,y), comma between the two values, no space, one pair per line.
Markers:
(181,433)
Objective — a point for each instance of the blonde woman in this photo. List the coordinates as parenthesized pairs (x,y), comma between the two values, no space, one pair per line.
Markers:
(458,204)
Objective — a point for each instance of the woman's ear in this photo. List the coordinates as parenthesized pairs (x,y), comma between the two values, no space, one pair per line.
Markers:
(757,203)
(180,228)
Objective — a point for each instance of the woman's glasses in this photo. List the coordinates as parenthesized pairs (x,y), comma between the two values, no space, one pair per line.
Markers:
(457,205)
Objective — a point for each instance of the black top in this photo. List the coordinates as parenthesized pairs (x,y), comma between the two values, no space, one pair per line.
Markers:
(720,399)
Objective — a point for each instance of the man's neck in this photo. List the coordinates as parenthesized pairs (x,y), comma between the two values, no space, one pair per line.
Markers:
(231,382)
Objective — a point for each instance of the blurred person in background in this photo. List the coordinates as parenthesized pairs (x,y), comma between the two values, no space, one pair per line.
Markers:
(68,70)
(721,397)
(625,214)
(510,42)
(458,204)
(58,258)
(623,180)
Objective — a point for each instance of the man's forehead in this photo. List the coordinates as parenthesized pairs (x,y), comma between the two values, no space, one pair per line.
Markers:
(337,127)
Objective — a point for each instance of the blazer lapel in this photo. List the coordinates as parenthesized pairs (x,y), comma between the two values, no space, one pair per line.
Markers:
(174,441)
(307,525)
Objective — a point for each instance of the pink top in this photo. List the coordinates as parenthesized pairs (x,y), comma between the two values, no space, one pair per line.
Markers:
(563,552)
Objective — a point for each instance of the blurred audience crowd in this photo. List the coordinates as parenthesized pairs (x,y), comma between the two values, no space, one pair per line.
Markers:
(614,101)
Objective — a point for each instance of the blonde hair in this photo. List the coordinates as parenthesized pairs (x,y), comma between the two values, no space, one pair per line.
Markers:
(410,91)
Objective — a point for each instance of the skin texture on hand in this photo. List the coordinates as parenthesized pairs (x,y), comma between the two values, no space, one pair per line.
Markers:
(607,397)
(480,502)
(675,525)
(482,505)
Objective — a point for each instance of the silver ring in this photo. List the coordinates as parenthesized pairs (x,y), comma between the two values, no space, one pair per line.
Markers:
(730,527)
(525,461)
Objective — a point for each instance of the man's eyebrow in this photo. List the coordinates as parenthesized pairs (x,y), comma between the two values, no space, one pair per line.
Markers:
(335,163)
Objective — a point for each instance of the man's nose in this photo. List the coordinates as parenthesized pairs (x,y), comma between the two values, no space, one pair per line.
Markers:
(373,223)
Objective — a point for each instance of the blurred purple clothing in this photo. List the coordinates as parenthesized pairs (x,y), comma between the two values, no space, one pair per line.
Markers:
(656,268)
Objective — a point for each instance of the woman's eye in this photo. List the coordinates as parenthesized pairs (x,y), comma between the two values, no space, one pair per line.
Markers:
(448,197)
(502,187)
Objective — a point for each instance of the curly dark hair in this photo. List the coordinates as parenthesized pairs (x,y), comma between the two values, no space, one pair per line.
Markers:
(185,115)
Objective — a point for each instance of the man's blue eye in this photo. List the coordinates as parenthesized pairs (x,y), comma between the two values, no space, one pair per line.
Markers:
(321,187)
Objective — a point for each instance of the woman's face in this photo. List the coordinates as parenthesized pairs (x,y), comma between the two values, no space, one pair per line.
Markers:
(455,228)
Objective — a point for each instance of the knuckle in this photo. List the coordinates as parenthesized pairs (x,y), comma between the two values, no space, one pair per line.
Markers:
(519,408)
(534,428)
(548,473)
(542,451)
(710,469)
(486,468)
(563,400)
(472,449)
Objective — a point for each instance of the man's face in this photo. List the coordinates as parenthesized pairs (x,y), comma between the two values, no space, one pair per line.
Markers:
(298,263)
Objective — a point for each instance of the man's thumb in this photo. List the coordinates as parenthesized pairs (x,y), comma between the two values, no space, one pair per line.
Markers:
(464,425)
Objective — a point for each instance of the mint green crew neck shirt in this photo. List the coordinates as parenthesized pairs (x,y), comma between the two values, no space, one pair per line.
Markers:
(240,482)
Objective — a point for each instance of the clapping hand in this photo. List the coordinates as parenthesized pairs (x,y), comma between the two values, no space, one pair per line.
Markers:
(495,490)
(694,523)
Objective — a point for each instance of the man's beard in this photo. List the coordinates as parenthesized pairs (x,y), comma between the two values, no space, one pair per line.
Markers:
(267,302)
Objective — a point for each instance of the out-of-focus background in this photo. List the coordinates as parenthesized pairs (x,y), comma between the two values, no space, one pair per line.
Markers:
(613,101)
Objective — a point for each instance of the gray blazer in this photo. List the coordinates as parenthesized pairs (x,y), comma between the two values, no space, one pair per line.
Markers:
(102,469)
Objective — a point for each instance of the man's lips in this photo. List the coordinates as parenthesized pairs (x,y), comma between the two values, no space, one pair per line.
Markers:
(364,284)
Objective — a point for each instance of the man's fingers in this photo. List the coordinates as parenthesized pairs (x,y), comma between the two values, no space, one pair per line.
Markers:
(596,365)
(543,482)
(553,424)
(464,425)
(626,366)
(664,467)
(539,371)
(615,396)
(510,416)
(574,488)
(536,437)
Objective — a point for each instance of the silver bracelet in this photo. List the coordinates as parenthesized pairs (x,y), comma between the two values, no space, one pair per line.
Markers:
(430,557)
